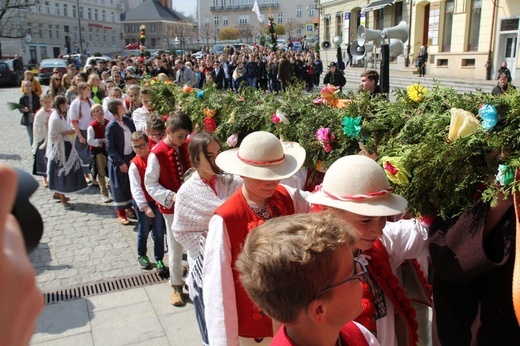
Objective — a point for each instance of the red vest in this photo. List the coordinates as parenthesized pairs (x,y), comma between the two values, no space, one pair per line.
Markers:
(141,168)
(173,166)
(350,335)
(240,220)
(99,132)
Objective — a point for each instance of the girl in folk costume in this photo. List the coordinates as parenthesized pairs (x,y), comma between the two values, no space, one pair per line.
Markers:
(167,163)
(133,99)
(72,92)
(140,115)
(96,140)
(115,93)
(206,189)
(80,118)
(356,189)
(40,134)
(64,165)
(118,145)
(262,161)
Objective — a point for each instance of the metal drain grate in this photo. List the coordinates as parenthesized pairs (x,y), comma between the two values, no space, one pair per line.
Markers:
(94,289)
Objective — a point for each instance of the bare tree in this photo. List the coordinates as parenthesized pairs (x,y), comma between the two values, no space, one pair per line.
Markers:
(290,26)
(182,31)
(246,31)
(206,32)
(13,18)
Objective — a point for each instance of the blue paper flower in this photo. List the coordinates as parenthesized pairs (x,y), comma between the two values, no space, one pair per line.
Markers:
(200,94)
(351,126)
(489,116)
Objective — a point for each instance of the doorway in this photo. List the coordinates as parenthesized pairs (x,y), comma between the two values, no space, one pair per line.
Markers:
(507,51)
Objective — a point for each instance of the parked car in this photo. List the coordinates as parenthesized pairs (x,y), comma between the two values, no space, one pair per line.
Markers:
(79,59)
(297,46)
(239,46)
(96,59)
(134,45)
(219,48)
(46,68)
(7,74)
(198,55)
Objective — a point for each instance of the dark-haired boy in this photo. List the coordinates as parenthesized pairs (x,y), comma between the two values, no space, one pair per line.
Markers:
(167,163)
(146,209)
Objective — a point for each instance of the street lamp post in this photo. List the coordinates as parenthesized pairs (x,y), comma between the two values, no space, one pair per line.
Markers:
(79,25)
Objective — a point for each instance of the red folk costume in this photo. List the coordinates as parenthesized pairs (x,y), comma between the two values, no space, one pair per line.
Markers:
(99,133)
(174,162)
(349,335)
(141,168)
(240,220)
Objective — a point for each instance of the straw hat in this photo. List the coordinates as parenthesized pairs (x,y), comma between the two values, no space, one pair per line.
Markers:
(358,184)
(262,156)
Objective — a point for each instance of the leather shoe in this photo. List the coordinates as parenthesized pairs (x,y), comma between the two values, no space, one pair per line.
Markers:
(123,221)
(176,296)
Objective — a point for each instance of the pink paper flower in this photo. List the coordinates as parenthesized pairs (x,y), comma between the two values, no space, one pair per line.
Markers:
(275,119)
(232,140)
(325,138)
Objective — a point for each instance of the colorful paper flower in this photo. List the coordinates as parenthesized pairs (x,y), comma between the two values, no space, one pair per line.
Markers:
(395,171)
(210,124)
(463,123)
(416,92)
(200,94)
(187,89)
(505,175)
(325,138)
(280,117)
(209,112)
(232,140)
(320,167)
(351,126)
(168,82)
(329,96)
(489,116)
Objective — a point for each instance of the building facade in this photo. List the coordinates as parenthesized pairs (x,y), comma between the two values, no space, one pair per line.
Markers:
(296,15)
(464,38)
(53,27)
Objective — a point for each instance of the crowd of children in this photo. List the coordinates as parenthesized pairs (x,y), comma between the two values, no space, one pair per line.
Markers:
(270,263)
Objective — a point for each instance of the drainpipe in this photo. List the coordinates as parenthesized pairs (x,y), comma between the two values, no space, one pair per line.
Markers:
(407,58)
(489,70)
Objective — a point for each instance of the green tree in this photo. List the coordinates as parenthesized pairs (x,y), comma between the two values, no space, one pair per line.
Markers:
(279,29)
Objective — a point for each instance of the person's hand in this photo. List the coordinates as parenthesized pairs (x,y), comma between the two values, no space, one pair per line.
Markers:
(82,140)
(149,212)
(25,109)
(123,168)
(18,314)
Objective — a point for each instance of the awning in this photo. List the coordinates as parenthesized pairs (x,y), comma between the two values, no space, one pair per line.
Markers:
(377,5)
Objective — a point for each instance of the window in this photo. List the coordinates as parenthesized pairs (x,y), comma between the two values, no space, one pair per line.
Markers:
(89,15)
(225,20)
(66,28)
(206,20)
(152,27)
(215,3)
(448,25)
(96,14)
(298,10)
(57,9)
(474,25)
(47,8)
(312,8)
(327,28)
(97,37)
(380,19)
(113,17)
(231,2)
(243,19)
(215,20)
(280,18)
(398,13)
(338,24)
(65,11)
(104,38)
(222,3)
(40,30)
(81,12)
(57,33)
(73,10)
(103,15)
(153,42)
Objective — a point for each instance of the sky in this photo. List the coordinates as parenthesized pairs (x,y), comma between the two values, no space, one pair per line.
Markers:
(187,7)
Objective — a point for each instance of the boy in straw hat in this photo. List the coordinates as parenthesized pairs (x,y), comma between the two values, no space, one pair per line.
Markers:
(356,189)
(262,161)
(300,270)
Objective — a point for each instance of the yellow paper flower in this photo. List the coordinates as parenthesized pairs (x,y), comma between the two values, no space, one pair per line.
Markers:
(395,171)
(320,167)
(463,123)
(417,92)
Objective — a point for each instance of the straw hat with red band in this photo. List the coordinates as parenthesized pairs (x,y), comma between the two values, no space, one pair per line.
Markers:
(262,156)
(359,185)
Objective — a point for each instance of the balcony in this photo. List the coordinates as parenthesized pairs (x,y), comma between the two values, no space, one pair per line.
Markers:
(228,8)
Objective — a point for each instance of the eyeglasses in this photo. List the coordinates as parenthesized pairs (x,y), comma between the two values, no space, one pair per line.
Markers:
(157,135)
(360,273)
(139,146)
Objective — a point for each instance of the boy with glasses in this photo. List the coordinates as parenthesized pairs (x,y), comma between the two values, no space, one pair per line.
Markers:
(147,211)
(300,271)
